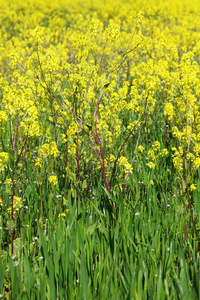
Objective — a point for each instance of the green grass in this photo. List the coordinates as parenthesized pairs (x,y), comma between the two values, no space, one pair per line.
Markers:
(135,251)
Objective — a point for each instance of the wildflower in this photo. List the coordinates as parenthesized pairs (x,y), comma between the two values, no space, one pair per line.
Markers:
(72,130)
(53,149)
(192,187)
(3,160)
(164,152)
(139,19)
(141,149)
(8,180)
(156,145)
(178,163)
(190,156)
(16,204)
(63,215)
(3,116)
(38,162)
(151,154)
(113,32)
(123,163)
(112,158)
(151,165)
(72,149)
(196,163)
(169,111)
(16,263)
(53,179)
(44,151)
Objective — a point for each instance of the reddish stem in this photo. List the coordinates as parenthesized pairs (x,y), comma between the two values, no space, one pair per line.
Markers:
(78,170)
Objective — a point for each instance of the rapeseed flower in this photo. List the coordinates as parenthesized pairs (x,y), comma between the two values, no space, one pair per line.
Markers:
(151,165)
(53,179)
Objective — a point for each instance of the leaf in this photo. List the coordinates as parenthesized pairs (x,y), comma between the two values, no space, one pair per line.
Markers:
(77,256)
(52,281)
(106,85)
(84,184)
(107,193)
(91,229)
(89,126)
(44,246)
(17,244)
(28,191)
(3,264)
(65,201)
(184,185)
(84,283)
(122,181)
(10,225)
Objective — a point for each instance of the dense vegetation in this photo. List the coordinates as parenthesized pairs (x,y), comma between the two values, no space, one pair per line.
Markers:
(99,149)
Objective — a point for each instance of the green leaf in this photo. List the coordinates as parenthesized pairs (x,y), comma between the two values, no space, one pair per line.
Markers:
(10,225)
(122,181)
(106,85)
(52,281)
(44,246)
(84,281)
(91,229)
(3,263)
(65,201)
(84,184)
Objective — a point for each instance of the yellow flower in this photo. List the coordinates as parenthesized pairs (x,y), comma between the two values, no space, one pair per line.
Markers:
(112,158)
(53,179)
(44,151)
(16,204)
(178,163)
(53,149)
(63,215)
(156,145)
(141,149)
(192,187)
(151,165)
(38,162)
(151,154)
(196,163)
(164,152)
(4,157)
(73,129)
(169,111)
(151,182)
(123,163)
(8,180)
(72,149)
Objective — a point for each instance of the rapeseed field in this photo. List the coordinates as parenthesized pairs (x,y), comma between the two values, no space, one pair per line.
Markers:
(99,149)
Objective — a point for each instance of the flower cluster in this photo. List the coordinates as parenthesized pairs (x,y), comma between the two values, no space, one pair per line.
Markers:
(76,86)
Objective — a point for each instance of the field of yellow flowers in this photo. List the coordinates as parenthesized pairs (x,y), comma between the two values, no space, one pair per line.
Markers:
(99,149)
